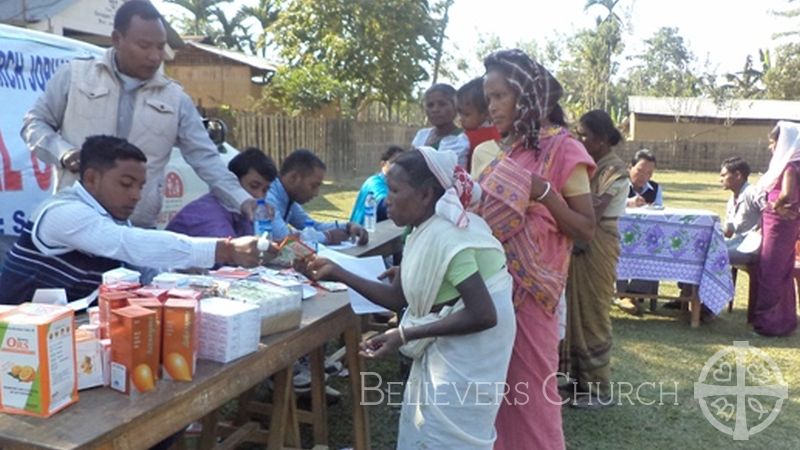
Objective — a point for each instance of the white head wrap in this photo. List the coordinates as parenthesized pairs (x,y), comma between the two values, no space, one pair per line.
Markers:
(787,150)
(460,192)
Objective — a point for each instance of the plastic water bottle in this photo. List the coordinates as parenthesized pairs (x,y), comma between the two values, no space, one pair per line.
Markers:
(262,221)
(309,235)
(370,209)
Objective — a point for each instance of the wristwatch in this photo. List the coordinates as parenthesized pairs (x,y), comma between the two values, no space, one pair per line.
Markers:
(63,158)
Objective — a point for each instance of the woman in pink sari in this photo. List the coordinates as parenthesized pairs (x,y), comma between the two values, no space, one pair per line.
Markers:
(537,199)
(774,312)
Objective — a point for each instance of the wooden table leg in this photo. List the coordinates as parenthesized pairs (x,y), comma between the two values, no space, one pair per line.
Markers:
(243,406)
(283,420)
(292,436)
(352,338)
(208,435)
(695,308)
(319,404)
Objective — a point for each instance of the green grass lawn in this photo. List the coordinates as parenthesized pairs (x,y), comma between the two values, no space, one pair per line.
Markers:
(658,348)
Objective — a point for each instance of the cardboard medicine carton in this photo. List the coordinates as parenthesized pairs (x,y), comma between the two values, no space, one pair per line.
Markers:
(180,344)
(134,360)
(38,374)
(228,329)
(153,304)
(90,359)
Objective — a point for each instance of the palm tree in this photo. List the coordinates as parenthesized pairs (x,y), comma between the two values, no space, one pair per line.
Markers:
(266,13)
(232,31)
(748,82)
(610,27)
(608,5)
(199,11)
(442,28)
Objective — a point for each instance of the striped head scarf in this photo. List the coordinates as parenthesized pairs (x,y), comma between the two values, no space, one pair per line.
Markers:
(538,91)
(460,192)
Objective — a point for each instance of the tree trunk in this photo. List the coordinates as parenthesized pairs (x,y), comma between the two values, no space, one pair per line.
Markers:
(443,27)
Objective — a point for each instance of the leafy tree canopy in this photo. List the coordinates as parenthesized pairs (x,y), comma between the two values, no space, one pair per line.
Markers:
(368,50)
(664,69)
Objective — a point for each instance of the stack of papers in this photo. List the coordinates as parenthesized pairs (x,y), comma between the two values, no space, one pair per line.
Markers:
(367,267)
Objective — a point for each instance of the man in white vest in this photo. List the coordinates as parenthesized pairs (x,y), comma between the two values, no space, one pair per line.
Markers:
(124,95)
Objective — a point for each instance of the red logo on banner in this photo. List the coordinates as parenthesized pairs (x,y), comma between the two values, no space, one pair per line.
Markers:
(173,186)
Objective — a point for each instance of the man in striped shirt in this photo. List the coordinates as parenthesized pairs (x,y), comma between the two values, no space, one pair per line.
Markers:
(83,231)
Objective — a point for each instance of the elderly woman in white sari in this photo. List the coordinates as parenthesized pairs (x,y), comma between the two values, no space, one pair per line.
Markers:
(459,323)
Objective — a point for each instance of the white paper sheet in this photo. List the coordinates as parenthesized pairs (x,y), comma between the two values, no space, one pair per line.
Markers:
(344,245)
(85,302)
(368,267)
(50,296)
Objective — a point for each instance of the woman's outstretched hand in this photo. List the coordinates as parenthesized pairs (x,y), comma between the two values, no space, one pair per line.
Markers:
(381,345)
(318,268)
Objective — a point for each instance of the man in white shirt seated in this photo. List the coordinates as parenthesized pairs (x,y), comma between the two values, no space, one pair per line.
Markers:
(742,216)
(743,213)
(83,231)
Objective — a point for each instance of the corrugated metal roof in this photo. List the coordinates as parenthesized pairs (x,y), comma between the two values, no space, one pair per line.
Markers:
(250,60)
(705,107)
(27,11)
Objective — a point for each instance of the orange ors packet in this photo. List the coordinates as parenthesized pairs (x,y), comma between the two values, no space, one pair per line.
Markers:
(134,360)
(180,345)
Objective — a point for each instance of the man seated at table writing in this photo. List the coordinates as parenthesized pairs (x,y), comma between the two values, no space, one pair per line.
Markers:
(743,212)
(642,191)
(300,177)
(208,217)
(83,231)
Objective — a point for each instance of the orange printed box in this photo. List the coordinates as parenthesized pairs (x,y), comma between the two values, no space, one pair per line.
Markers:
(153,304)
(109,301)
(150,291)
(37,360)
(179,348)
(134,360)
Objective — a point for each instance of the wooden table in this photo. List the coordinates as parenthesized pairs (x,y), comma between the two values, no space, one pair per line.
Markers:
(385,240)
(672,244)
(103,418)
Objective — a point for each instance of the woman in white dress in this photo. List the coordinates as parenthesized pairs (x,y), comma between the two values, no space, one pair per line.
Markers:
(440,108)
(459,324)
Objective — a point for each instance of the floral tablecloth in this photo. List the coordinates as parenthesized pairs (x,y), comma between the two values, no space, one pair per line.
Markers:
(680,245)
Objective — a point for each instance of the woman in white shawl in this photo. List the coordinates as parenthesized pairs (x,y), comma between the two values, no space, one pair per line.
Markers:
(774,311)
(459,323)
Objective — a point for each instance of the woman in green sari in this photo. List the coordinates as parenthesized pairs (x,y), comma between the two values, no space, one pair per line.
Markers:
(586,350)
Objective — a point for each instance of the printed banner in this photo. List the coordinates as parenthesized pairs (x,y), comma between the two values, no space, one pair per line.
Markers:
(28,60)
